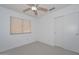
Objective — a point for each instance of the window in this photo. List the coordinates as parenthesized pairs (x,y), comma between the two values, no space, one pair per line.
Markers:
(18,26)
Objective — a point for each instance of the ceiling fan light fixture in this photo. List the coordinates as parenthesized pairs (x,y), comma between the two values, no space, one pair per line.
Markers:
(34,8)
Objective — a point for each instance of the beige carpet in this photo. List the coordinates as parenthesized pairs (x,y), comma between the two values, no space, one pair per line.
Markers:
(38,48)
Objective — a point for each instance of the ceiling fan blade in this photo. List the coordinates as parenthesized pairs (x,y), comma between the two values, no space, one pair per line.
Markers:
(42,9)
(30,5)
(26,9)
(52,9)
(36,13)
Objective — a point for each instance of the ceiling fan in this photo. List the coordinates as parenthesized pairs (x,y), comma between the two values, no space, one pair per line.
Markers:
(35,8)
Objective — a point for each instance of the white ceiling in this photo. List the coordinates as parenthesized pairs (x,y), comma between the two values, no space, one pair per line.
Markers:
(21,7)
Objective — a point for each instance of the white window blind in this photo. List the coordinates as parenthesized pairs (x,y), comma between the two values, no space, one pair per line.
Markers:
(18,25)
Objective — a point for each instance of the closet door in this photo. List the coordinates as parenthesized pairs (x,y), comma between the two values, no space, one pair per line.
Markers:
(67,32)
(71,32)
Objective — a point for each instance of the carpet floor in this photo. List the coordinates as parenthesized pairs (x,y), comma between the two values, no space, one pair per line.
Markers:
(38,48)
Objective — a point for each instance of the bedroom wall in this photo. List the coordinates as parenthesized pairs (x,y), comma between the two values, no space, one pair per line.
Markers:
(47,30)
(8,41)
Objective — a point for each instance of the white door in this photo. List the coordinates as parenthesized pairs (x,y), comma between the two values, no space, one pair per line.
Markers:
(67,32)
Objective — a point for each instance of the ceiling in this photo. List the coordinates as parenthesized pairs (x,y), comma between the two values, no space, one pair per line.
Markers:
(21,7)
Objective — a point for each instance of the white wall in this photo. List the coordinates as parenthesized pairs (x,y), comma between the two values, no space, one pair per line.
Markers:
(47,30)
(8,41)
